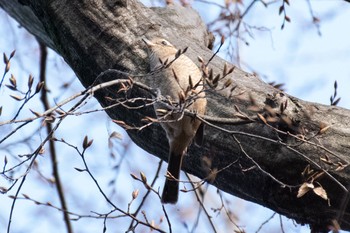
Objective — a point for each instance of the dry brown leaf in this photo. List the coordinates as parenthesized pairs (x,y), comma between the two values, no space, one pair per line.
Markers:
(304,188)
(324,129)
(262,118)
(319,191)
(325,159)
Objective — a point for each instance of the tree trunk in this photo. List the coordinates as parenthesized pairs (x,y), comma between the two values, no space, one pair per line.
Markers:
(256,161)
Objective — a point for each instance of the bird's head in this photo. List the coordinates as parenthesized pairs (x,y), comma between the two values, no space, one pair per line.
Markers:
(160,47)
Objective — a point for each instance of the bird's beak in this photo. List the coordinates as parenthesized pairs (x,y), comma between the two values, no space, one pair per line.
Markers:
(148,42)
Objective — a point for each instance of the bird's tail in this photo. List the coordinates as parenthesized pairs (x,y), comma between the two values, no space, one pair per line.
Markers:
(171,186)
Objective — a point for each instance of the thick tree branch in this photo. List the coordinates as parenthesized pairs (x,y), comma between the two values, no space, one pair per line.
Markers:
(93,36)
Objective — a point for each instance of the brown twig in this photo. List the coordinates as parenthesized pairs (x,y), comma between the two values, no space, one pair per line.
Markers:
(115,208)
(265,222)
(53,155)
(33,156)
(315,20)
(228,213)
(147,193)
(202,206)
(233,133)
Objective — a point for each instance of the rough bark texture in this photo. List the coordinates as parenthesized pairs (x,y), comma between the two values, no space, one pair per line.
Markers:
(93,36)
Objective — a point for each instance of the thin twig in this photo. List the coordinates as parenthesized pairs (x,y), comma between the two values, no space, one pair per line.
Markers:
(279,143)
(33,157)
(228,213)
(156,175)
(265,222)
(53,156)
(108,200)
(86,92)
(202,206)
(281,223)
(13,203)
(315,20)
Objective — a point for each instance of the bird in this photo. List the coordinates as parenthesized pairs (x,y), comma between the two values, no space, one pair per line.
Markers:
(181,82)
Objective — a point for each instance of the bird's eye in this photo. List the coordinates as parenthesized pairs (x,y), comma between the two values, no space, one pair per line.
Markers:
(164,42)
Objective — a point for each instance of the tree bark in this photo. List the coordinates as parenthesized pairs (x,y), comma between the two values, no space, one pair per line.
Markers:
(93,36)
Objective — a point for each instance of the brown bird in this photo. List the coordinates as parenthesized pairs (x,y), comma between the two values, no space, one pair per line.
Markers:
(182,83)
